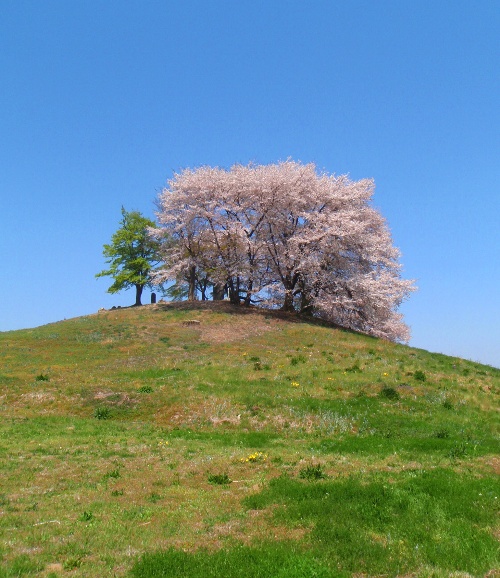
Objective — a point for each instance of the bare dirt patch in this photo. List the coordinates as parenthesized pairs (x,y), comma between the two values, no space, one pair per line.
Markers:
(224,332)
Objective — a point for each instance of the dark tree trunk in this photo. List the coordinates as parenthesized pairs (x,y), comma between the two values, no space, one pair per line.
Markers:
(234,292)
(289,283)
(218,293)
(288,302)
(138,294)
(306,307)
(203,289)
(192,284)
(248,296)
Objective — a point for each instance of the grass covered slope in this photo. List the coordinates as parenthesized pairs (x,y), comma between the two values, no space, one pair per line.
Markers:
(214,441)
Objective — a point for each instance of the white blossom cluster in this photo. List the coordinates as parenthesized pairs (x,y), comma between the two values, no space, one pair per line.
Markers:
(284,235)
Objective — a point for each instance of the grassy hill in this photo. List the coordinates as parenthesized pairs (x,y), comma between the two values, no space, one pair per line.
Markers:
(170,440)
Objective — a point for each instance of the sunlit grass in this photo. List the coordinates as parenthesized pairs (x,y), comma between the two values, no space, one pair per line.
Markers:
(126,446)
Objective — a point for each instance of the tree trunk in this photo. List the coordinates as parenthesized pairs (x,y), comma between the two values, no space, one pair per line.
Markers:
(203,289)
(248,297)
(192,284)
(306,307)
(218,293)
(288,302)
(138,294)
(234,292)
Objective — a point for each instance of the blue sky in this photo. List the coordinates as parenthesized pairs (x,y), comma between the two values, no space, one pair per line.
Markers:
(102,100)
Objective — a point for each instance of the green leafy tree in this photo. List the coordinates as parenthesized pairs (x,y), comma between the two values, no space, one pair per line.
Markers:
(132,255)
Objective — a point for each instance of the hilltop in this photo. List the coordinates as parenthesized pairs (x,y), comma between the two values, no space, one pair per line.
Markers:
(271,442)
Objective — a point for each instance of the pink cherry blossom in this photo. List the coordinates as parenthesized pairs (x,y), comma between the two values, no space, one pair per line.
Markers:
(285,235)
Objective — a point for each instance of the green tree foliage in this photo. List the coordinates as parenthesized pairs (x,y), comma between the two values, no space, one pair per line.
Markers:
(131,255)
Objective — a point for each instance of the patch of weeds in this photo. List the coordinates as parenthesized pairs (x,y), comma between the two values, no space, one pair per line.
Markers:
(298,359)
(219,479)
(312,473)
(354,368)
(459,451)
(137,513)
(72,563)
(419,375)
(390,434)
(102,413)
(447,404)
(165,339)
(87,517)
(112,474)
(42,377)
(257,366)
(145,389)
(254,358)
(389,393)
(117,493)
(442,434)
(154,497)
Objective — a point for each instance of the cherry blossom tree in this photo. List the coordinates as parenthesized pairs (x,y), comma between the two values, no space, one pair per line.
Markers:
(285,235)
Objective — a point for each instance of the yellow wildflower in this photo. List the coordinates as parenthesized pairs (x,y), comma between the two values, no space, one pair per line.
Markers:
(255,457)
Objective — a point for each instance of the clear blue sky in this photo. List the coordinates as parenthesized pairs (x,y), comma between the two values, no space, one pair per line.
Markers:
(100,101)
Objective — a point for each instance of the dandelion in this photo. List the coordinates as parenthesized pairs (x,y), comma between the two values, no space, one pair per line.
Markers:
(295,384)
(330,378)
(385,374)
(255,457)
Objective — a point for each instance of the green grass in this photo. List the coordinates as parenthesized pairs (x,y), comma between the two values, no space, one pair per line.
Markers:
(250,444)
(280,560)
(392,524)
